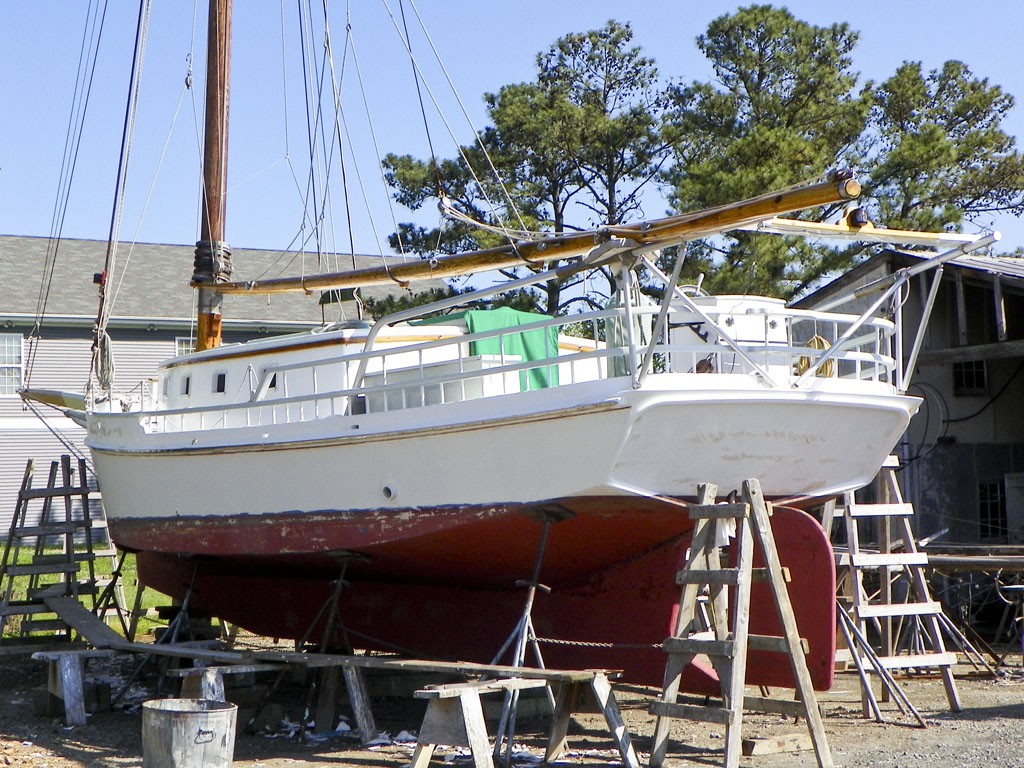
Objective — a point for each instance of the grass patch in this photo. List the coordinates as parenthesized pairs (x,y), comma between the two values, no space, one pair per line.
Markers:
(103,567)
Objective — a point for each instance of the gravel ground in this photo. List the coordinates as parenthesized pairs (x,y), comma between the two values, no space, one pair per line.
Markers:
(989,732)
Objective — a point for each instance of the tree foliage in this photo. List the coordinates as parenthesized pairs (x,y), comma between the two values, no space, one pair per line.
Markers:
(573,150)
(940,154)
(785,106)
(579,145)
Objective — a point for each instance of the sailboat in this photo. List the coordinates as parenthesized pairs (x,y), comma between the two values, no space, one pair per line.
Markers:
(416,472)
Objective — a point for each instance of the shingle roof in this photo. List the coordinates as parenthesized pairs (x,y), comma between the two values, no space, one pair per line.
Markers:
(155,281)
(1009,268)
(1004,266)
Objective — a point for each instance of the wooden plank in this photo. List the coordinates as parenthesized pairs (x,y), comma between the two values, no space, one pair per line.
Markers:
(725,576)
(928,608)
(469,669)
(81,652)
(50,529)
(76,557)
(805,689)
(359,700)
(918,660)
(72,689)
(719,511)
(695,712)
(326,698)
(450,690)
(773,745)
(787,707)
(720,577)
(697,645)
(28,646)
(896,509)
(66,679)
(37,570)
(883,559)
(30,626)
(230,669)
(184,652)
(22,608)
(53,493)
(84,622)
(605,699)
(774,643)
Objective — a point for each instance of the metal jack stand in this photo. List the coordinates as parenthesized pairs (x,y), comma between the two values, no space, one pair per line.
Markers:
(173,630)
(328,683)
(523,636)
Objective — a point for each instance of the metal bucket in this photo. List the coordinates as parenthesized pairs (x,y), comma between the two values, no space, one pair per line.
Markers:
(188,733)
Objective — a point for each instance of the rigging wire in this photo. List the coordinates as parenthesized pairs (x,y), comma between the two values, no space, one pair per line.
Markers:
(419,96)
(490,163)
(102,358)
(88,55)
(451,132)
(343,130)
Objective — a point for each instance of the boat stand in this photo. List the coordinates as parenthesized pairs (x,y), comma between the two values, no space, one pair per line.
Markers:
(327,683)
(524,636)
(171,635)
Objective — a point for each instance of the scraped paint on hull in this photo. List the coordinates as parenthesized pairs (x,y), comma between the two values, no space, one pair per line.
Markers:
(614,618)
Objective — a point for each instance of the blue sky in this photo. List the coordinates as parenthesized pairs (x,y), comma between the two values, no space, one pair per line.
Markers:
(484,45)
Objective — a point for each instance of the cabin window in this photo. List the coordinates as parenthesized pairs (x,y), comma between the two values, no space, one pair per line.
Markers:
(11,360)
(273,380)
(186,385)
(970,379)
(184,345)
(992,511)
(220,382)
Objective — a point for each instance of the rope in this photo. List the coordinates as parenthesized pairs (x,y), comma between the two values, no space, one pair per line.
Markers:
(827,370)
(102,359)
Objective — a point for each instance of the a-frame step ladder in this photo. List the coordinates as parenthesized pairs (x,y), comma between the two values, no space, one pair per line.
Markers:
(901,607)
(58,533)
(727,642)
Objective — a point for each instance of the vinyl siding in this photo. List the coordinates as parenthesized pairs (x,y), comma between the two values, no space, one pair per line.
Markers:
(29,439)
(62,362)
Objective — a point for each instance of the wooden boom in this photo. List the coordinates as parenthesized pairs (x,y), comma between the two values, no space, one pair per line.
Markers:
(658,232)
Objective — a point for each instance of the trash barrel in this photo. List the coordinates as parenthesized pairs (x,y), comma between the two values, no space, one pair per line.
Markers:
(188,733)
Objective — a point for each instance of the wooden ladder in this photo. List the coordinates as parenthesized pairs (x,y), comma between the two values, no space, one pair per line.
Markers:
(727,642)
(65,540)
(898,612)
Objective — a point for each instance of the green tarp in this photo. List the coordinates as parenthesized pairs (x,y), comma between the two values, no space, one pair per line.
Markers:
(529,346)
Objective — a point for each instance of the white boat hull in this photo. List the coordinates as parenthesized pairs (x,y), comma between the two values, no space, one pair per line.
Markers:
(657,441)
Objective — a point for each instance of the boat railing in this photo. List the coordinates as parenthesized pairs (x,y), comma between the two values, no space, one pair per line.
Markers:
(785,342)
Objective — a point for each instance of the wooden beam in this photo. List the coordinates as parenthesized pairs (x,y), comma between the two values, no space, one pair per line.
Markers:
(1000,307)
(994,351)
(655,233)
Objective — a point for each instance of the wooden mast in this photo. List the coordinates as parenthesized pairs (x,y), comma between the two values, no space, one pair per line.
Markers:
(213,255)
(660,232)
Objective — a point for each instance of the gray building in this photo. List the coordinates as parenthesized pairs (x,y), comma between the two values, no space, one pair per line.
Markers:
(964,450)
(48,306)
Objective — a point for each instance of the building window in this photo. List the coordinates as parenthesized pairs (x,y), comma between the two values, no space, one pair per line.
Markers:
(970,378)
(220,383)
(184,345)
(10,363)
(992,511)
